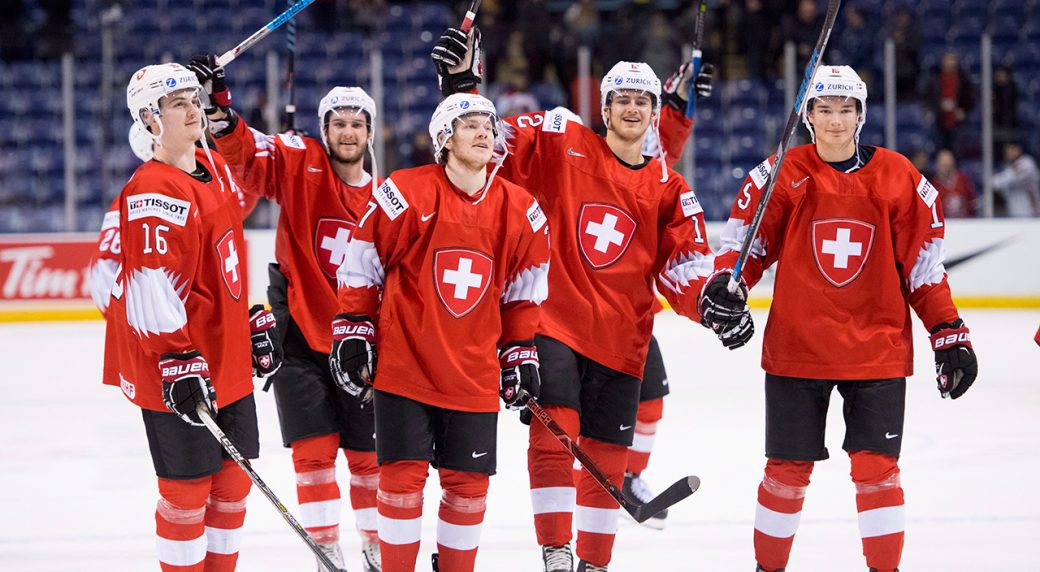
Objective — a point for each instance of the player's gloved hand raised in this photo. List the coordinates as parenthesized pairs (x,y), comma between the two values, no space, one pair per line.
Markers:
(677,87)
(213,80)
(263,330)
(725,312)
(457,58)
(186,385)
(353,357)
(955,363)
(519,363)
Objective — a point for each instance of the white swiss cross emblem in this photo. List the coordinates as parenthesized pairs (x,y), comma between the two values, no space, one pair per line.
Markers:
(461,276)
(841,248)
(230,265)
(604,233)
(331,236)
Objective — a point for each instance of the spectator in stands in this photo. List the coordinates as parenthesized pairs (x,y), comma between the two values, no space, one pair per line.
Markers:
(922,162)
(1005,108)
(906,35)
(803,30)
(950,96)
(956,190)
(582,22)
(856,45)
(661,48)
(1018,183)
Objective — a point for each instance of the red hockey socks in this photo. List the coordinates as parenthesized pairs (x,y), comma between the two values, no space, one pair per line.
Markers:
(314,460)
(549,466)
(364,481)
(650,412)
(225,514)
(879,500)
(780,498)
(399,505)
(180,526)
(460,519)
(597,512)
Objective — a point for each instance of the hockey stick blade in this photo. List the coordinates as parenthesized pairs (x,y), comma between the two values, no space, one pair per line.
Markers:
(679,490)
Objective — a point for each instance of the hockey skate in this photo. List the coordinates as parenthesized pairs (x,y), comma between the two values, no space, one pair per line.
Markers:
(371,555)
(635,488)
(758,568)
(875,570)
(558,558)
(586,567)
(335,554)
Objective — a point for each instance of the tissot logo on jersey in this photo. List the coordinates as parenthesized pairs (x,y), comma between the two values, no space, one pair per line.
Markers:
(390,199)
(462,277)
(604,233)
(158,206)
(841,248)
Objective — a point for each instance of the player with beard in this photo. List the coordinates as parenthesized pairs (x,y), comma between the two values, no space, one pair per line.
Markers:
(323,190)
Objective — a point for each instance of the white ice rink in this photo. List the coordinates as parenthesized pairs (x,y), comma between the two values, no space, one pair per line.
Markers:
(78,492)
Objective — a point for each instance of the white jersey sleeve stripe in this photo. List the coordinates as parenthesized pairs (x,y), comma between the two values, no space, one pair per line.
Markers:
(733,238)
(530,284)
(102,276)
(928,269)
(361,266)
(153,301)
(689,266)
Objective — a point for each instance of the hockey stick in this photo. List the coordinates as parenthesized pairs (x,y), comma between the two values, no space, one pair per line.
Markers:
(225,442)
(229,56)
(471,15)
(290,80)
(640,511)
(695,59)
(785,142)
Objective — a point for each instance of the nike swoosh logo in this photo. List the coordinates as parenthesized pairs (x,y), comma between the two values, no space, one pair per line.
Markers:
(427,217)
(953,262)
(799,183)
(477,455)
(890,436)
(573,153)
(624,427)
(312,169)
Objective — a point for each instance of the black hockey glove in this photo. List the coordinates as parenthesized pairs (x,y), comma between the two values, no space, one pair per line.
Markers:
(725,312)
(353,357)
(213,80)
(186,385)
(456,56)
(677,87)
(519,363)
(955,364)
(263,331)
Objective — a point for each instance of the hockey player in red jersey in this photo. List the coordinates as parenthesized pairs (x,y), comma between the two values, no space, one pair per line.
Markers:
(323,190)
(857,236)
(621,221)
(454,261)
(180,276)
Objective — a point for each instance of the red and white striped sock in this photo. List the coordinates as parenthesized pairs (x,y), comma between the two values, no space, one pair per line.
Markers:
(597,512)
(649,414)
(314,460)
(879,501)
(550,468)
(780,498)
(225,514)
(399,503)
(364,482)
(460,518)
(180,524)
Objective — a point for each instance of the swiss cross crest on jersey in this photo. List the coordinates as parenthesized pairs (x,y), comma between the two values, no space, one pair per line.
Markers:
(462,277)
(604,233)
(841,247)
(231,267)
(331,236)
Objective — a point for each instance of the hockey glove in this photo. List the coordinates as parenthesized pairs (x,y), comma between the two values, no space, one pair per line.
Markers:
(677,86)
(725,312)
(456,56)
(519,363)
(955,364)
(263,331)
(186,385)
(353,357)
(213,80)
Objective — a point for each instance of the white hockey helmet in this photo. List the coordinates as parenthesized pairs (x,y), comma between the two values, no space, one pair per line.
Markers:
(453,107)
(631,75)
(151,83)
(346,98)
(141,142)
(836,81)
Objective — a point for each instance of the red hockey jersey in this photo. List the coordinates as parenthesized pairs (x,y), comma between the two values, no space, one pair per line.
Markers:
(459,276)
(105,262)
(615,231)
(318,213)
(182,283)
(852,251)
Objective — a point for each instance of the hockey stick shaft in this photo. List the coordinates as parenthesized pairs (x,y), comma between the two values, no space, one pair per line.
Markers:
(471,15)
(225,442)
(230,55)
(290,80)
(785,142)
(695,59)
(639,511)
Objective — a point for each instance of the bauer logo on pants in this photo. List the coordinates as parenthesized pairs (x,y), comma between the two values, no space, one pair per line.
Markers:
(462,277)
(231,267)
(331,237)
(841,247)
(604,233)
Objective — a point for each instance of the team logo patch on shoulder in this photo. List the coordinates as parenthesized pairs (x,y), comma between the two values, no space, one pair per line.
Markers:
(230,267)
(690,205)
(554,122)
(536,217)
(158,206)
(391,200)
(927,192)
(290,140)
(604,233)
(461,277)
(760,174)
(841,247)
